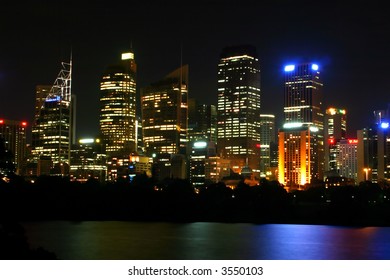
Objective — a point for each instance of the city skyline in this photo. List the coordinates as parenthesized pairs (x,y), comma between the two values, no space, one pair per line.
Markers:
(346,41)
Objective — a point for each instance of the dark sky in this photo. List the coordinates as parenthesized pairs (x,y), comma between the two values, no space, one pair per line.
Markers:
(350,42)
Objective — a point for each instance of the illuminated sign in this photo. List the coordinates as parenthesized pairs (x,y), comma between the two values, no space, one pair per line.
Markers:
(126,56)
(86,141)
(352,141)
(289,68)
(54,99)
(200,144)
(385,125)
(292,125)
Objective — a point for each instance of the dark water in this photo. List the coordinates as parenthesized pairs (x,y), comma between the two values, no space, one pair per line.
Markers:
(117,240)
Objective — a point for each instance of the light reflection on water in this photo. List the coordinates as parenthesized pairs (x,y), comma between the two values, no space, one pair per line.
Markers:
(118,240)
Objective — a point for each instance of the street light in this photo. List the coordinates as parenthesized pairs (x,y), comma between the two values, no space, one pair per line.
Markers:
(366,172)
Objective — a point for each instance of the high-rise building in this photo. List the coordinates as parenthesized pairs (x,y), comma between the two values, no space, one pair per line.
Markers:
(374,149)
(347,158)
(301,147)
(118,107)
(13,135)
(267,139)
(164,106)
(238,108)
(88,160)
(335,129)
(200,151)
(53,127)
(202,121)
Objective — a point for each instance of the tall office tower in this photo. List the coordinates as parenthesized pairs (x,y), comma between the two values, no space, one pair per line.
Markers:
(41,92)
(88,161)
(53,127)
(118,107)
(335,129)
(267,139)
(347,158)
(301,144)
(13,133)
(202,121)
(200,152)
(367,154)
(164,106)
(239,107)
(374,149)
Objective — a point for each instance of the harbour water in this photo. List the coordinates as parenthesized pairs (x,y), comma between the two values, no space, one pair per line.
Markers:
(122,240)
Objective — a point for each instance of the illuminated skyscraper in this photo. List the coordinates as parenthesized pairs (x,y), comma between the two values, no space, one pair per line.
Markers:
(53,129)
(238,108)
(347,158)
(301,147)
(374,149)
(13,136)
(335,129)
(267,141)
(164,106)
(202,121)
(118,107)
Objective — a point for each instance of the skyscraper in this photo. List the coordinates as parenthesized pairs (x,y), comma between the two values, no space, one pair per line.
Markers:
(335,129)
(301,147)
(164,106)
(118,107)
(13,136)
(238,108)
(267,139)
(202,121)
(53,127)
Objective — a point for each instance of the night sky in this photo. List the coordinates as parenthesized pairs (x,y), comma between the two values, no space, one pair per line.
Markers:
(350,42)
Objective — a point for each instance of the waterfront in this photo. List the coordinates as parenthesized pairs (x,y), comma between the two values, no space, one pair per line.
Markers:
(121,240)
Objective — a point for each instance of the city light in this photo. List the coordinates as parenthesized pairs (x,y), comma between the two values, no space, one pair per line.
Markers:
(385,125)
(292,125)
(314,67)
(366,170)
(289,68)
(200,144)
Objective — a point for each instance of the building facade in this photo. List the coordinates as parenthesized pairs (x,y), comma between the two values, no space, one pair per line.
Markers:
(118,107)
(347,159)
(238,108)
(301,143)
(267,141)
(335,129)
(53,127)
(202,121)
(164,107)
(13,135)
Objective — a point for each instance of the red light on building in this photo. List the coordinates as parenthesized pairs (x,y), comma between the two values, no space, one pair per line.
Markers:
(1,121)
(258,146)
(331,141)
(352,141)
(24,123)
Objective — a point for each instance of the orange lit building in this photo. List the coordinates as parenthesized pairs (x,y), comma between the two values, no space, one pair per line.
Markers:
(301,140)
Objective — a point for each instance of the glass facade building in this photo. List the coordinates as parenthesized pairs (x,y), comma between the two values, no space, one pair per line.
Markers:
(238,107)
(164,106)
(301,143)
(118,107)
(53,129)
